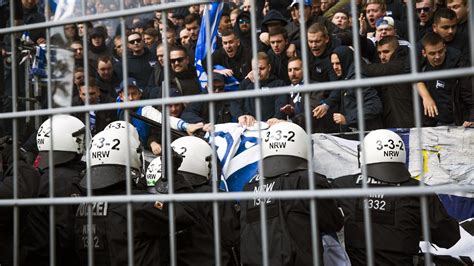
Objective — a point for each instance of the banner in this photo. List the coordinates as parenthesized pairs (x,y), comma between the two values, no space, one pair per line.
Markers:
(201,49)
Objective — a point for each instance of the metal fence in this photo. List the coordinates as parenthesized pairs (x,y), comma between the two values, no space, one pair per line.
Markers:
(312,194)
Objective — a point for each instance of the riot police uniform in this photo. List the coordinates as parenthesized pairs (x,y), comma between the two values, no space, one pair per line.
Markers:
(196,169)
(68,135)
(28,179)
(109,228)
(396,221)
(108,174)
(288,221)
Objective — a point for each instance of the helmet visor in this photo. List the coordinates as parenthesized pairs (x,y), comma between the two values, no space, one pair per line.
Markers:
(389,172)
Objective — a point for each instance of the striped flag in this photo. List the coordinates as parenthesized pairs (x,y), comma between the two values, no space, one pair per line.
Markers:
(237,149)
(201,49)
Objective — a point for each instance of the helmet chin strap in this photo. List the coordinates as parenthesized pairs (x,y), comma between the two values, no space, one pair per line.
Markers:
(358,156)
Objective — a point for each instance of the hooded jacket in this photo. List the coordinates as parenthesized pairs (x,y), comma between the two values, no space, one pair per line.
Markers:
(273,15)
(245,37)
(97,51)
(397,99)
(346,98)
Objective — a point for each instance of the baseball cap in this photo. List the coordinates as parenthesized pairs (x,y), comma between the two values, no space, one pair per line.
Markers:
(218,77)
(295,2)
(131,82)
(384,22)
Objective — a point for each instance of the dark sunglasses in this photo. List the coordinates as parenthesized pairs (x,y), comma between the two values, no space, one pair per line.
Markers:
(179,60)
(244,21)
(135,41)
(424,9)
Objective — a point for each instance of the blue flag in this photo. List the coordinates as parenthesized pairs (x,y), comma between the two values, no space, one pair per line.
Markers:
(52,5)
(201,49)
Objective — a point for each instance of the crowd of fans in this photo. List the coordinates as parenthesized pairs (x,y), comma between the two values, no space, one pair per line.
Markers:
(442,42)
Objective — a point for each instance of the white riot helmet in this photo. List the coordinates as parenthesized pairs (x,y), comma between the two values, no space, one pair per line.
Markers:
(153,174)
(284,149)
(65,133)
(385,156)
(122,125)
(194,152)
(108,158)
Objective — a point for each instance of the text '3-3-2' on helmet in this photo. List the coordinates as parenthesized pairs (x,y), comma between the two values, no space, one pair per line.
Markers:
(384,156)
(284,149)
(153,174)
(122,125)
(195,152)
(63,134)
(109,154)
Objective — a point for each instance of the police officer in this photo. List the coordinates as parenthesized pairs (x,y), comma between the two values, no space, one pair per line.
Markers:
(194,235)
(28,180)
(396,221)
(108,160)
(153,221)
(63,135)
(285,166)
(196,169)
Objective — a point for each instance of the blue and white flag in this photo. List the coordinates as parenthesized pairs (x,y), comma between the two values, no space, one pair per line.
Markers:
(231,83)
(201,49)
(237,150)
(52,5)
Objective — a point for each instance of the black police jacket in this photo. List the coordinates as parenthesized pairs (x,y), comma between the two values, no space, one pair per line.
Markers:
(28,180)
(229,223)
(36,245)
(193,235)
(396,223)
(109,230)
(288,221)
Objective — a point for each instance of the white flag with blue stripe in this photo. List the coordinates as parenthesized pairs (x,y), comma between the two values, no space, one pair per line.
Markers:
(201,49)
(238,153)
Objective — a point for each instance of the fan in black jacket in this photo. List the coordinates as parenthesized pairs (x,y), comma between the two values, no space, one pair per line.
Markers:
(397,99)
(343,65)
